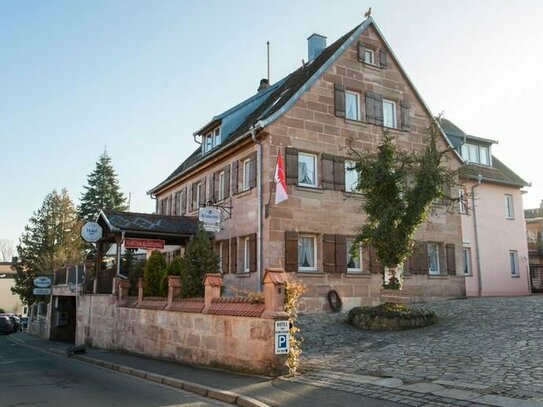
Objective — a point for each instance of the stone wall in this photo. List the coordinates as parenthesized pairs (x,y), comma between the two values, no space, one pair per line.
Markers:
(229,334)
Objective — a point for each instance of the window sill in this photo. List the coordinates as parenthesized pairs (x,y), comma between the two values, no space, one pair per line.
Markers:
(309,189)
(246,274)
(438,276)
(310,273)
(515,276)
(241,194)
(359,274)
(356,122)
(373,67)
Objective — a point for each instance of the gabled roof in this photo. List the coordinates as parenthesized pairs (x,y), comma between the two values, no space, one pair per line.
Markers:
(259,112)
(498,173)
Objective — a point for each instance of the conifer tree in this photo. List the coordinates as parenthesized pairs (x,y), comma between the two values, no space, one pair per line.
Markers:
(102,192)
(51,239)
(199,259)
(153,275)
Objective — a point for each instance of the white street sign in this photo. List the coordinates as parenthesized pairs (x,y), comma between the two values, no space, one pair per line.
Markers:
(209,215)
(91,232)
(42,282)
(282,327)
(211,227)
(41,291)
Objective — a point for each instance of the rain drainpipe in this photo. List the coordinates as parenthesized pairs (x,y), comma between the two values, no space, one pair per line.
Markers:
(119,245)
(475,228)
(259,208)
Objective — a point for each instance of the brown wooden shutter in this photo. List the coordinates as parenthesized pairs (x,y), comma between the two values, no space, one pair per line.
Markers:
(291,251)
(361,52)
(170,206)
(227,181)
(327,171)
(194,193)
(383,58)
(212,185)
(451,259)
(419,259)
(203,195)
(234,255)
(378,109)
(292,165)
(252,170)
(341,254)
(252,252)
(339,99)
(370,107)
(183,201)
(375,265)
(235,174)
(175,202)
(225,256)
(405,117)
(328,253)
(339,173)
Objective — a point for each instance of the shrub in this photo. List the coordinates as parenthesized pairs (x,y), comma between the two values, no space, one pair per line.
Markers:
(390,317)
(293,290)
(153,274)
(175,268)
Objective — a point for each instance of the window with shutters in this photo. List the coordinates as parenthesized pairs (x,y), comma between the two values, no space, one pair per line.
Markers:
(433,259)
(509,214)
(222,185)
(307,253)
(369,56)
(246,175)
(307,170)
(198,196)
(351,176)
(354,262)
(352,105)
(513,259)
(389,113)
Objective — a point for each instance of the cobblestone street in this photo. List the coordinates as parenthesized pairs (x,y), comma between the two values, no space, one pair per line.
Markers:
(486,351)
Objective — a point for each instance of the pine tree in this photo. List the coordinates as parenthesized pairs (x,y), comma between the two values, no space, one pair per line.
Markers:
(199,259)
(51,238)
(153,274)
(102,192)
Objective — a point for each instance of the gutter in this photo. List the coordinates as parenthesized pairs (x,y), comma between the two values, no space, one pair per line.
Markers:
(475,228)
(259,206)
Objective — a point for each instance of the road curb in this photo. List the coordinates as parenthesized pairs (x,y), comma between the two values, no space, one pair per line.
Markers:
(196,388)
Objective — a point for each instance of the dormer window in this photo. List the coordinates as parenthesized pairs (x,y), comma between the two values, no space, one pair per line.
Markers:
(476,154)
(211,140)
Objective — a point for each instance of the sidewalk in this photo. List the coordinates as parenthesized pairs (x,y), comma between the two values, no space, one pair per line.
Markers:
(241,390)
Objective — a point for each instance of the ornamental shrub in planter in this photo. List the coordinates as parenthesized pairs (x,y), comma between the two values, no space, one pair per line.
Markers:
(390,317)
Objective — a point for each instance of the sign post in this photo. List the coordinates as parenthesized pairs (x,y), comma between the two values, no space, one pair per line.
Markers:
(282,337)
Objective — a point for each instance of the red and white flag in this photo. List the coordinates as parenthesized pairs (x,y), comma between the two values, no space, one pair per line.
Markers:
(280,182)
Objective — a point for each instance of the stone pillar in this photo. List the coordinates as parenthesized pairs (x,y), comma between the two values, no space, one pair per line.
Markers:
(174,288)
(275,280)
(124,286)
(140,289)
(212,283)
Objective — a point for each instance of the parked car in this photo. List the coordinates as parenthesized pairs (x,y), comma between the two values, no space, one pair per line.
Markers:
(15,322)
(6,327)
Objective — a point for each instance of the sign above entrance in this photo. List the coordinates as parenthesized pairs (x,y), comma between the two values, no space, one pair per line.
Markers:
(130,243)
(41,291)
(42,282)
(211,227)
(91,232)
(209,215)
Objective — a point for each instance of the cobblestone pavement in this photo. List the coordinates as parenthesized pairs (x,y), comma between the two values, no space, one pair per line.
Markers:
(483,351)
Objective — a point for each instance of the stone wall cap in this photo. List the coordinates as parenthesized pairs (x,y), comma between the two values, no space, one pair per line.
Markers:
(213,279)
(275,276)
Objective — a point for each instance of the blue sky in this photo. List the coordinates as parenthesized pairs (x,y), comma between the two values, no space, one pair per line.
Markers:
(139,77)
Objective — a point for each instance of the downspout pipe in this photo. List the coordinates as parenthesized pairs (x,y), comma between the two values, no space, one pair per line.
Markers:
(476,232)
(259,208)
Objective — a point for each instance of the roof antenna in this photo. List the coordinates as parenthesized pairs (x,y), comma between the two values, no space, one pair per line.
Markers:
(368,13)
(268,50)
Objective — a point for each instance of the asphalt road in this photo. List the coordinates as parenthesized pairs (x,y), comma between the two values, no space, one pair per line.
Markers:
(30,377)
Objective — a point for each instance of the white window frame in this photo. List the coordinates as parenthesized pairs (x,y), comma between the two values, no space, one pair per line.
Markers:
(182,197)
(222,185)
(349,245)
(371,54)
(199,187)
(509,208)
(466,256)
(394,113)
(357,105)
(217,137)
(430,271)
(308,236)
(246,255)
(513,261)
(211,140)
(246,182)
(315,176)
(484,152)
(349,171)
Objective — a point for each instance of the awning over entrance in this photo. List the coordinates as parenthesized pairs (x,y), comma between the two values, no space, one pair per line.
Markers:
(174,230)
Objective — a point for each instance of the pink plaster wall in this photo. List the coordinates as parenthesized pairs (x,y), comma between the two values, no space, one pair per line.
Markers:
(497,236)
